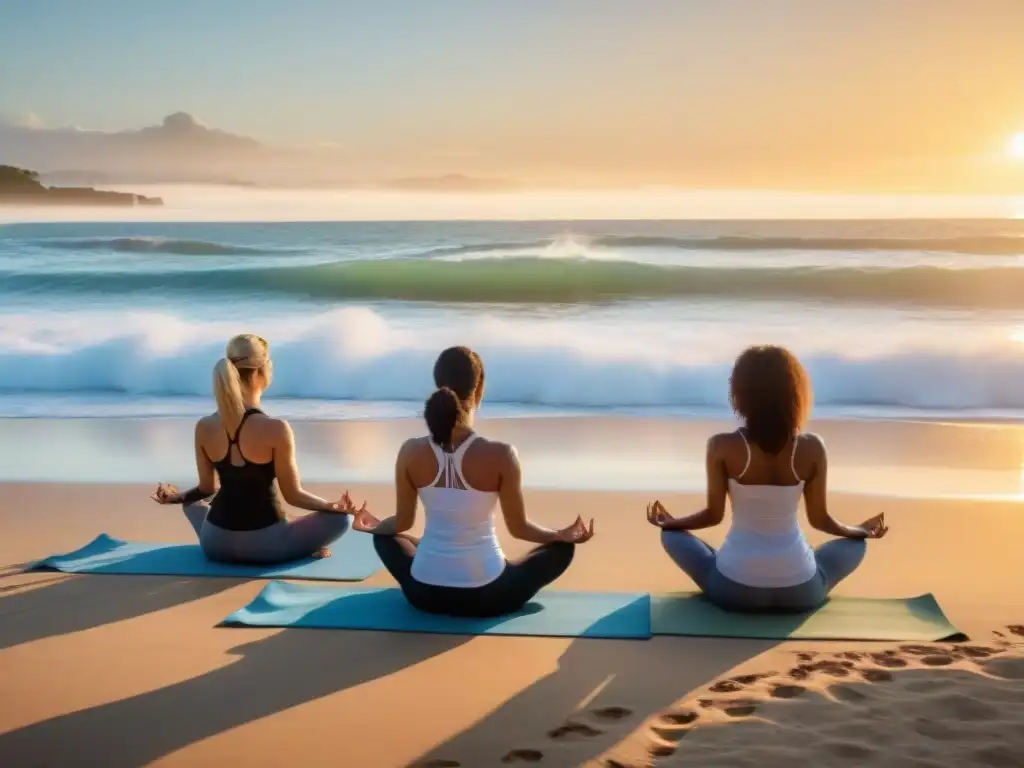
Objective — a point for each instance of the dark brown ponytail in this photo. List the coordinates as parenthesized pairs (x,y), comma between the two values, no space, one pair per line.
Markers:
(459,376)
(443,411)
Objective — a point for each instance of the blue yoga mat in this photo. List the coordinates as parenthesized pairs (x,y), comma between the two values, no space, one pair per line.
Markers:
(551,614)
(352,559)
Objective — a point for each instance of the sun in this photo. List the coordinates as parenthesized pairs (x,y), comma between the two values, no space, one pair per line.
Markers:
(1015,147)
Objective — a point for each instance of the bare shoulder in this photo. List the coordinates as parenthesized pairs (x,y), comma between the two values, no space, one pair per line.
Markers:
(272,430)
(811,445)
(208,425)
(502,454)
(412,447)
(725,442)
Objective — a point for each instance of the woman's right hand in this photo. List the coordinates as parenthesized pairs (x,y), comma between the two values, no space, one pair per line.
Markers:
(364,520)
(577,533)
(342,506)
(872,528)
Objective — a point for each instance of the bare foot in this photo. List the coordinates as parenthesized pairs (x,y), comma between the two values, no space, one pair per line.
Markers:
(322,553)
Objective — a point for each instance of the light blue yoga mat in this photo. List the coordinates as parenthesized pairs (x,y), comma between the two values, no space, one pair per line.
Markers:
(841,618)
(352,559)
(551,614)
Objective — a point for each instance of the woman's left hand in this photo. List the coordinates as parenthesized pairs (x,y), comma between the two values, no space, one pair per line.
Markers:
(657,515)
(166,494)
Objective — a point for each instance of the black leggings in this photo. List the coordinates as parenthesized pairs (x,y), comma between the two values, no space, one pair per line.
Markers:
(521,580)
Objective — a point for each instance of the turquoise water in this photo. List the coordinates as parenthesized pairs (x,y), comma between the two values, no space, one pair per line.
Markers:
(892,318)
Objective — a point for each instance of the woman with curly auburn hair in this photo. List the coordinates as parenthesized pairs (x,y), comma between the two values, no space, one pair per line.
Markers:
(764,468)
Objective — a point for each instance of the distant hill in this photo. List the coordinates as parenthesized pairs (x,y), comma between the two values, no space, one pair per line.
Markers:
(19,186)
(183,150)
(179,147)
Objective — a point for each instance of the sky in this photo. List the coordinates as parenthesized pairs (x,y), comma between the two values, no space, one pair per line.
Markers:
(914,94)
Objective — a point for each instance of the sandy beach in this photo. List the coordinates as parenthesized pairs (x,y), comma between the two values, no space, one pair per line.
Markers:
(129,671)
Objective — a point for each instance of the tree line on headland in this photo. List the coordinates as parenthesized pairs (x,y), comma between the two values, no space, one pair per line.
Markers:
(19,186)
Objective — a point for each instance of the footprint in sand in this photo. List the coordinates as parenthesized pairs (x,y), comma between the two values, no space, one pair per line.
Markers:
(888,659)
(726,686)
(876,675)
(977,651)
(738,683)
(574,729)
(685,717)
(733,708)
(937,660)
(831,668)
(784,691)
(670,728)
(523,756)
(439,764)
(1017,629)
(740,709)
(611,713)
(921,650)
(669,737)
(657,749)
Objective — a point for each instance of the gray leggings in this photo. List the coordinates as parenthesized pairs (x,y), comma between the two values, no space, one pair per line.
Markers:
(836,560)
(281,542)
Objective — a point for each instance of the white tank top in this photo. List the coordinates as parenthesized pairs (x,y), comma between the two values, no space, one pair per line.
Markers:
(459,547)
(765,546)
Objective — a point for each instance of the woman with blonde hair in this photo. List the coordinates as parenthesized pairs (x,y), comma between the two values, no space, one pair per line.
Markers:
(764,468)
(247,450)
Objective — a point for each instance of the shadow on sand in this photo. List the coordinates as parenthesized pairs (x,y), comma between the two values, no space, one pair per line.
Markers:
(269,675)
(64,604)
(601,691)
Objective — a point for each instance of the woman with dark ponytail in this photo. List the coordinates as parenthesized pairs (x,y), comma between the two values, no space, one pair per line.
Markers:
(458,567)
(764,468)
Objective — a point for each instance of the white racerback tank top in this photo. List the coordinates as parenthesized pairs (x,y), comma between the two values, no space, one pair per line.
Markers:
(765,546)
(459,547)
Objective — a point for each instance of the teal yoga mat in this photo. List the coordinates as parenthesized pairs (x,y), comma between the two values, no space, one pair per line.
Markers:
(352,559)
(841,618)
(551,614)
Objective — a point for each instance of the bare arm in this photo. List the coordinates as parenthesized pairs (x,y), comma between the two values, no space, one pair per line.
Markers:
(513,505)
(718,487)
(815,496)
(406,496)
(204,467)
(288,473)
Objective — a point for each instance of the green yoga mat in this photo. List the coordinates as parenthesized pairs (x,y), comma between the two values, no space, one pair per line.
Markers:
(841,618)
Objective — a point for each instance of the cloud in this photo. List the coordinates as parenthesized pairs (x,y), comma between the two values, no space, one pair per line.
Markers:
(22,119)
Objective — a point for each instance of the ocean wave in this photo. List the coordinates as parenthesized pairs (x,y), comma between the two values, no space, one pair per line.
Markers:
(989,245)
(542,280)
(159,245)
(355,354)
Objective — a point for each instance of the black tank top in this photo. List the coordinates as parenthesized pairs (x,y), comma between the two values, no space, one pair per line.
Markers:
(248,499)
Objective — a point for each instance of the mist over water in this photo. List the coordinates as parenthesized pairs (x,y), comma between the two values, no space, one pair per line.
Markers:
(229,203)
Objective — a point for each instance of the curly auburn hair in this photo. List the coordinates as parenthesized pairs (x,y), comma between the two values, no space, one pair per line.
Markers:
(770,390)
